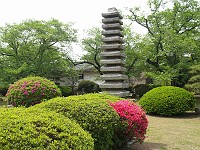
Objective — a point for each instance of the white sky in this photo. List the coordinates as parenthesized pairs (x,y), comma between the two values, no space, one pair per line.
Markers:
(84,13)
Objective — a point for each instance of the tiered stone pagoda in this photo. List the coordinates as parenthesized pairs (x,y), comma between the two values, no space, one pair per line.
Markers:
(112,56)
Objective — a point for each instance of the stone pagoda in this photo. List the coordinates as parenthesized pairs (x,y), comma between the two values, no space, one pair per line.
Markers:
(112,56)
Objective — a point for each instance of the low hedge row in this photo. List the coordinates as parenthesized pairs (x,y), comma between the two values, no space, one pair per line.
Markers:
(36,129)
(93,113)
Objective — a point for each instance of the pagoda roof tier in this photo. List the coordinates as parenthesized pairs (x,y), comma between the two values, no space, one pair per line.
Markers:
(112,61)
(114,26)
(114,85)
(109,33)
(112,20)
(113,39)
(112,47)
(113,69)
(118,93)
(112,54)
(114,76)
(111,14)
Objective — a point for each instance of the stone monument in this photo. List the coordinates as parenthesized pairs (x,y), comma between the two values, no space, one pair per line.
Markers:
(112,56)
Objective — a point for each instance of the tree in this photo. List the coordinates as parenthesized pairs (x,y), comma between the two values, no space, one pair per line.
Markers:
(92,45)
(35,47)
(173,39)
(193,84)
(134,45)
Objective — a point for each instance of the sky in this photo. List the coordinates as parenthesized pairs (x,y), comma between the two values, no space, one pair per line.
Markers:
(85,14)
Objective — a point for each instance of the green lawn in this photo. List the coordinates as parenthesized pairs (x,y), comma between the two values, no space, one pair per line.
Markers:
(177,133)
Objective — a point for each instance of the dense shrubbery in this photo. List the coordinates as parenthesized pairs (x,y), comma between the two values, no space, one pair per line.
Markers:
(140,89)
(3,90)
(86,86)
(167,100)
(31,90)
(93,113)
(66,90)
(35,129)
(135,117)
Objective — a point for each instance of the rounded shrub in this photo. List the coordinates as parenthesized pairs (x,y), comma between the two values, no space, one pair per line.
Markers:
(35,129)
(86,86)
(31,90)
(135,117)
(93,113)
(167,100)
(66,90)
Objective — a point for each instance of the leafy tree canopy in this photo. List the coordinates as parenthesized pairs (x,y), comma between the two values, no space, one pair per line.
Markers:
(172,42)
(35,48)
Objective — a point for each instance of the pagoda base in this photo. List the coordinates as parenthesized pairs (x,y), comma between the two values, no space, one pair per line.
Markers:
(123,94)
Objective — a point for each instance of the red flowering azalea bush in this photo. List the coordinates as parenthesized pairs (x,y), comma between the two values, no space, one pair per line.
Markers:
(134,116)
(31,90)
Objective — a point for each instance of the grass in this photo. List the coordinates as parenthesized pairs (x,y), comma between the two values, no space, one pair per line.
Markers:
(178,133)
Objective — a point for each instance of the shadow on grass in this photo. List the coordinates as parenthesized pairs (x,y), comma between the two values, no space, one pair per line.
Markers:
(147,146)
(186,115)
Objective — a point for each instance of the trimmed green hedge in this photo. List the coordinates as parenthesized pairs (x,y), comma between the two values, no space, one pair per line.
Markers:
(167,100)
(93,113)
(35,129)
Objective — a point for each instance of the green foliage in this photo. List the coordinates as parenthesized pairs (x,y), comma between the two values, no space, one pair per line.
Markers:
(35,129)
(93,113)
(35,47)
(65,90)
(86,86)
(194,82)
(141,89)
(167,101)
(92,45)
(172,43)
(3,90)
(31,90)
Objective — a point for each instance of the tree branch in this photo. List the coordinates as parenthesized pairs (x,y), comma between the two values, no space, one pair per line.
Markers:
(146,25)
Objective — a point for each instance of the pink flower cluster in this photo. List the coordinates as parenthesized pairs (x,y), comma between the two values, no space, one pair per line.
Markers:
(134,116)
